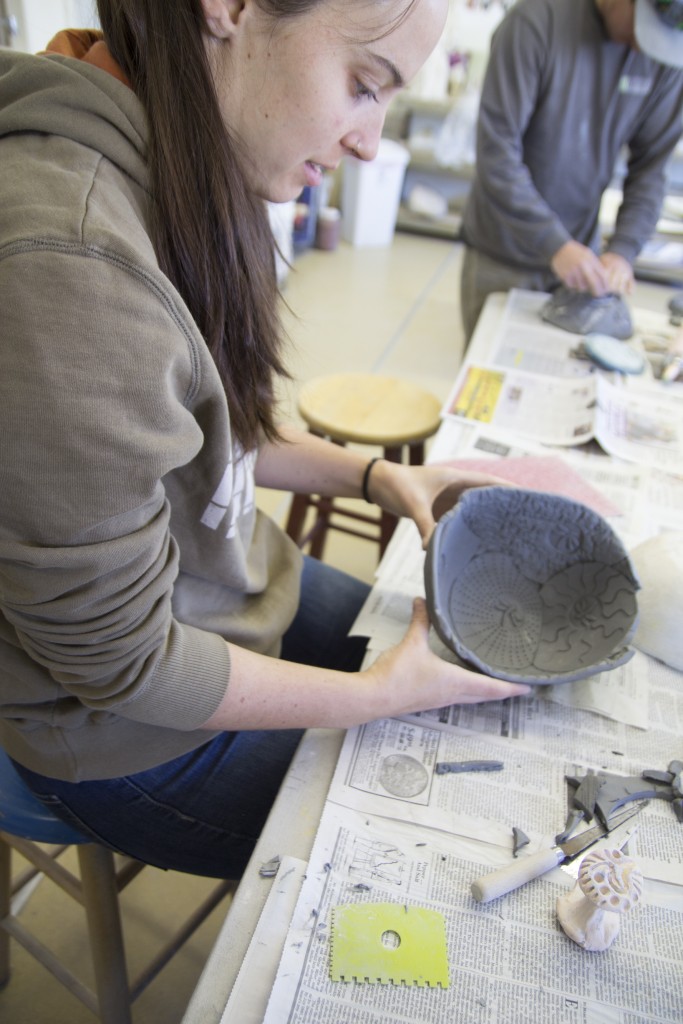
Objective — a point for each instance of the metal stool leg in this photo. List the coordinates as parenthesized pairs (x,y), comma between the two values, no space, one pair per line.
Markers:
(100,897)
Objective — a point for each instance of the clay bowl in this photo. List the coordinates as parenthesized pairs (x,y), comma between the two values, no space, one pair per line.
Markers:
(530,587)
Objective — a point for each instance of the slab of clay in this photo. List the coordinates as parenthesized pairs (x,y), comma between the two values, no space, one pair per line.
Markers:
(583,313)
(659,564)
(530,587)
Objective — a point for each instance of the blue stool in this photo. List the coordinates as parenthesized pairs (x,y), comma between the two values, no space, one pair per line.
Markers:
(25,823)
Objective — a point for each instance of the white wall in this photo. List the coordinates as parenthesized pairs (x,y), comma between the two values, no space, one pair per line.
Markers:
(38,20)
(471,28)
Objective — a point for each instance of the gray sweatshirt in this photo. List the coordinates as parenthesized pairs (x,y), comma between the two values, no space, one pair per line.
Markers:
(559,102)
(130,545)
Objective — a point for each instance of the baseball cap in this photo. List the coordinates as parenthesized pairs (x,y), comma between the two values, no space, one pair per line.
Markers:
(659,30)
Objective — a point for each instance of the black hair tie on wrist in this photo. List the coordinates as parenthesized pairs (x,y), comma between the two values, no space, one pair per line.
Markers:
(366,479)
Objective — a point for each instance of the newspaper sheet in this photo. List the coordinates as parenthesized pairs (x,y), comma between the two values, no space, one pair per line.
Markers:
(395,831)
(642,425)
(639,500)
(523,338)
(536,382)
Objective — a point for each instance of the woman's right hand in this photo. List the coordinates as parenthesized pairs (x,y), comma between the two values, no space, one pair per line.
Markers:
(268,693)
(414,678)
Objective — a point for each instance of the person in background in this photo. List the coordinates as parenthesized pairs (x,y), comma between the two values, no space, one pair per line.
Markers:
(569,85)
(162,642)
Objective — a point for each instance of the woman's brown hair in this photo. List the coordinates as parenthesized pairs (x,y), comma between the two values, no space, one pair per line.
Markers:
(212,237)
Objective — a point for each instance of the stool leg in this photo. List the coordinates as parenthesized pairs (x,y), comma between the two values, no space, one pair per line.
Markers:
(416,454)
(318,534)
(5,898)
(388,522)
(101,900)
(296,517)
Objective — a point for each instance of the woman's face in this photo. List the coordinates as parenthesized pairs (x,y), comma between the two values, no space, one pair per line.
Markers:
(300,92)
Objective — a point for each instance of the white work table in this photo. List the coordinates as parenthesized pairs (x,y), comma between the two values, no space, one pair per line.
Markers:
(291,830)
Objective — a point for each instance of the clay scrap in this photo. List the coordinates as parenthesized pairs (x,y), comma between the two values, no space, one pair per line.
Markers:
(601,794)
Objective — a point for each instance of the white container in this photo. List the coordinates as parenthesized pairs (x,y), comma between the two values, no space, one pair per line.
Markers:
(371,193)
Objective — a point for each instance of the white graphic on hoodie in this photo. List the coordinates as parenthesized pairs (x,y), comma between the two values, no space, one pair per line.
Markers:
(234,496)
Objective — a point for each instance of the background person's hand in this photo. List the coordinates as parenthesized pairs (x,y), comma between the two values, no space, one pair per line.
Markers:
(579,268)
(620,278)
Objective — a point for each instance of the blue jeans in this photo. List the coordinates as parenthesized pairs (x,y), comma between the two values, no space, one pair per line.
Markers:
(203,812)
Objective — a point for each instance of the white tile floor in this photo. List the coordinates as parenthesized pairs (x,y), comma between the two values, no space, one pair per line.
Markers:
(393,311)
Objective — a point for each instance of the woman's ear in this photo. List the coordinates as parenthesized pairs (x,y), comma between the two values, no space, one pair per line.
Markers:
(221,16)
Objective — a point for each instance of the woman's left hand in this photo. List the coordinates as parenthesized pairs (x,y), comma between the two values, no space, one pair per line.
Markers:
(423,493)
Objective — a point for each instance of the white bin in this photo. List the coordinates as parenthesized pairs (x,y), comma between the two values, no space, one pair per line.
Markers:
(371,193)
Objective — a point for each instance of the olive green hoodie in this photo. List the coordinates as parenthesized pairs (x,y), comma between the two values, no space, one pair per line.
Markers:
(130,545)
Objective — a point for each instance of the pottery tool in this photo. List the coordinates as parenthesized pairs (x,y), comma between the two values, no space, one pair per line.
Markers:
(524,869)
(389,944)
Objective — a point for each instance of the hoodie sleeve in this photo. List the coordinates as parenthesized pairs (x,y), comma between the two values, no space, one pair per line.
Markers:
(99,367)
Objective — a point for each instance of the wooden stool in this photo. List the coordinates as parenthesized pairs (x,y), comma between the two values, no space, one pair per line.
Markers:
(361,408)
(26,826)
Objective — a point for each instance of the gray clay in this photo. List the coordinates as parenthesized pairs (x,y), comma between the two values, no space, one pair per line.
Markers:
(530,587)
(519,840)
(582,313)
(574,817)
(454,767)
(659,564)
(587,793)
(618,790)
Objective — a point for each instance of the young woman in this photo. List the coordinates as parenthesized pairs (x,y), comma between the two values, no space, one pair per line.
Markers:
(160,645)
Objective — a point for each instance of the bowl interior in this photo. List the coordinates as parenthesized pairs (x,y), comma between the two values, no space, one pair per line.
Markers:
(530,587)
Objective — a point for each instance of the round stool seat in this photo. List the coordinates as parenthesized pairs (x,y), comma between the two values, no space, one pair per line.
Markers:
(368,409)
(22,814)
